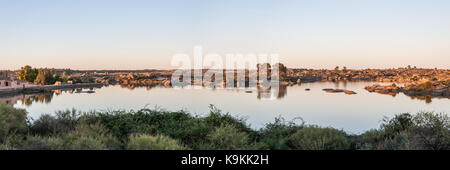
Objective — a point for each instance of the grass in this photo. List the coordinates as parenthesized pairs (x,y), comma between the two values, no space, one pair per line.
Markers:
(148,129)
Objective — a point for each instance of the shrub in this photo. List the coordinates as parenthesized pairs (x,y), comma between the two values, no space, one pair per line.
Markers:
(4,147)
(228,137)
(372,139)
(425,130)
(153,122)
(62,122)
(216,119)
(216,131)
(42,143)
(158,142)
(90,132)
(432,130)
(317,138)
(399,123)
(86,143)
(401,141)
(275,136)
(12,121)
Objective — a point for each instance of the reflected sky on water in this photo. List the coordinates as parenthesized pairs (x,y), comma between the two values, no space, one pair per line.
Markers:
(352,113)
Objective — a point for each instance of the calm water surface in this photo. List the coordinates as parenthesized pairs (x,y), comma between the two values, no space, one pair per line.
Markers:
(352,113)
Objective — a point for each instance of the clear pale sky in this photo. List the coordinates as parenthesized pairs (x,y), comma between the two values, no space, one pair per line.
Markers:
(132,34)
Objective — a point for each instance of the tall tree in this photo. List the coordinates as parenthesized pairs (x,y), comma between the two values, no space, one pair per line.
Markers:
(45,77)
(27,73)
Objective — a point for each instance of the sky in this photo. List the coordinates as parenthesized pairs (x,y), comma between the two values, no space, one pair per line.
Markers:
(145,34)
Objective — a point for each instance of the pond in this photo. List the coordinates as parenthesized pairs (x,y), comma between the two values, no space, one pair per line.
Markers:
(352,113)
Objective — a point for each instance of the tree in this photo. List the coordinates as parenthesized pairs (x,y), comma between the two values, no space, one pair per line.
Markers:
(27,73)
(45,77)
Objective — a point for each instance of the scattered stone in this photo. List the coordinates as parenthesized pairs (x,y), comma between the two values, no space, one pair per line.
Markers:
(349,92)
(334,90)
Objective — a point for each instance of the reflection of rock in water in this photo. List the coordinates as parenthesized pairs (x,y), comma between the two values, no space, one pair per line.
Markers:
(272,93)
(427,98)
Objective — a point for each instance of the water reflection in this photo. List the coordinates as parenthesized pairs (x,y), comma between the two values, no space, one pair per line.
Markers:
(45,98)
(281,92)
(261,94)
(428,98)
(272,93)
(27,99)
(355,113)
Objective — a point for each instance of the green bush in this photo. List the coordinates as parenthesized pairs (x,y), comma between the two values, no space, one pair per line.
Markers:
(372,139)
(62,122)
(216,119)
(399,123)
(95,131)
(216,131)
(84,137)
(153,122)
(275,136)
(172,124)
(317,138)
(42,143)
(4,147)
(12,121)
(228,137)
(432,130)
(86,143)
(425,130)
(401,141)
(158,142)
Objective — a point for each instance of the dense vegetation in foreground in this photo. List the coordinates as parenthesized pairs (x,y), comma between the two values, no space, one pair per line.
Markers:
(149,129)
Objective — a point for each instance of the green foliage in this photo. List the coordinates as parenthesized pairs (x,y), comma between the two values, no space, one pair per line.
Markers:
(372,139)
(70,130)
(217,119)
(433,130)
(62,122)
(27,73)
(424,130)
(86,143)
(172,124)
(276,135)
(228,137)
(41,143)
(45,77)
(94,133)
(317,138)
(146,121)
(4,147)
(158,142)
(12,121)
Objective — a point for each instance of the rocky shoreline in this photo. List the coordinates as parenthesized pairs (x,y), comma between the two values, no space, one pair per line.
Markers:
(428,88)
